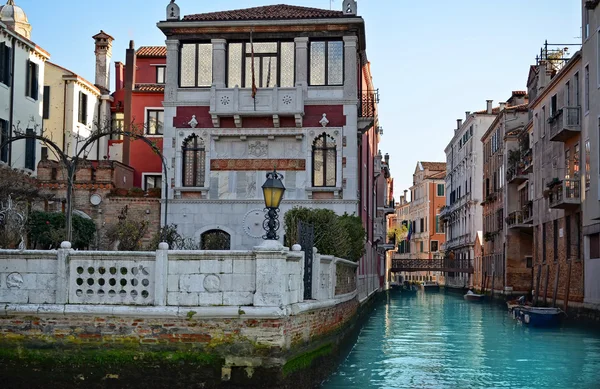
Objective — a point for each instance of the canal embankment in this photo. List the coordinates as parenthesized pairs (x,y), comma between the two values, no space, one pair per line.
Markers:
(206,319)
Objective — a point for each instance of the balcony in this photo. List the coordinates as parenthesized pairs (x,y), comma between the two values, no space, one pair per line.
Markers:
(367,109)
(516,175)
(238,102)
(565,194)
(521,220)
(565,124)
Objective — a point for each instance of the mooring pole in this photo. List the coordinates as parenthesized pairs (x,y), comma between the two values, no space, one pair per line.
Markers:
(556,285)
(566,306)
(546,284)
(537,287)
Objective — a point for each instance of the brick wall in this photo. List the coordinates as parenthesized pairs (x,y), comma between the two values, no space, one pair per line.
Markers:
(549,265)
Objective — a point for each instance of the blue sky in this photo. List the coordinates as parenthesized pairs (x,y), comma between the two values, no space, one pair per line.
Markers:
(431,60)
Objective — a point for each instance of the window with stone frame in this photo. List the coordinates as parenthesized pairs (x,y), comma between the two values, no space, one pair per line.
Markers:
(194,161)
(326,63)
(160,74)
(324,161)
(31,80)
(195,65)
(274,64)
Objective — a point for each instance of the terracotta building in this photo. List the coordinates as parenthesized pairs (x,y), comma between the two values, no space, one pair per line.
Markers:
(504,262)
(137,106)
(247,90)
(556,90)
(427,230)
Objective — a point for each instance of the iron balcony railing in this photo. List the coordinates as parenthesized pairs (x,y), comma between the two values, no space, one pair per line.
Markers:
(565,124)
(368,104)
(520,218)
(565,193)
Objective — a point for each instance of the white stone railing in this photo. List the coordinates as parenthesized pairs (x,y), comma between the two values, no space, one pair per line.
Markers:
(264,277)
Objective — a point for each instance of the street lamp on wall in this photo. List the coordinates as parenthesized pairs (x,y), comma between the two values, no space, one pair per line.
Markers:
(273,191)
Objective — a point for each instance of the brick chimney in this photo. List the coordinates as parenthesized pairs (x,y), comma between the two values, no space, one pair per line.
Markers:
(103,53)
(119,73)
(129,84)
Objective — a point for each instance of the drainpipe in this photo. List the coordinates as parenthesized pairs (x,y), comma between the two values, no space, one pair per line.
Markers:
(12,101)
(64,124)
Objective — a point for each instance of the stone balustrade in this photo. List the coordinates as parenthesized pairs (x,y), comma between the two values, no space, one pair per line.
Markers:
(263,277)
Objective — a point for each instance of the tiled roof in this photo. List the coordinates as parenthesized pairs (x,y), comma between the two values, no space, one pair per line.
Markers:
(434,166)
(152,51)
(520,107)
(269,12)
(150,88)
(438,175)
(494,111)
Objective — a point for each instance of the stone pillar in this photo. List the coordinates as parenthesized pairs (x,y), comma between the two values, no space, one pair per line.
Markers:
(271,262)
(62,273)
(161,268)
(302,62)
(350,67)
(219,62)
(172,71)
(316,276)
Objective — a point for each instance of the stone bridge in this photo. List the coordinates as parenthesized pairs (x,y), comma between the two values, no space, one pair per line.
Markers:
(443,265)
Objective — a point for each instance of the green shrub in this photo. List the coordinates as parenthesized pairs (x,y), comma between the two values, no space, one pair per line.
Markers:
(342,236)
(128,232)
(47,230)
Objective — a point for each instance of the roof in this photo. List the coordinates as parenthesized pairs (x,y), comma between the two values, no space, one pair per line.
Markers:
(150,88)
(434,166)
(74,77)
(437,175)
(151,51)
(269,12)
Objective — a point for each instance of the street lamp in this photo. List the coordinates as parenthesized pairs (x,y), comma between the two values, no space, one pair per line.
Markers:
(273,190)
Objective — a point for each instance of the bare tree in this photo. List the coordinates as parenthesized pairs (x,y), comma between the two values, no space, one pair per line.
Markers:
(83,146)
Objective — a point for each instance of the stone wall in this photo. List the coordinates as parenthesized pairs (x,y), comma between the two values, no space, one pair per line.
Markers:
(239,315)
(345,275)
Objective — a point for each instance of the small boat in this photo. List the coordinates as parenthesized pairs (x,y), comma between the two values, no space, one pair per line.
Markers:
(470,296)
(538,317)
(410,290)
(430,286)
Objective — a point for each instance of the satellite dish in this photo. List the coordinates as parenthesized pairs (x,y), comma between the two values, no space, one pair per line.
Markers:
(95,199)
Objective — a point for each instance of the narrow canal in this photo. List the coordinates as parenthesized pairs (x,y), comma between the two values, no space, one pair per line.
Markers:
(437,340)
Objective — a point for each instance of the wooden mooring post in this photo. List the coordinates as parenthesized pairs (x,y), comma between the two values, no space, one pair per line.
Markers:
(566,306)
(546,283)
(537,286)
(556,285)
(493,279)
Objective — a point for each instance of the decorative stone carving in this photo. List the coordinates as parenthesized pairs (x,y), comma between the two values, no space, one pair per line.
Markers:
(173,11)
(14,280)
(193,123)
(276,122)
(212,282)
(324,121)
(298,118)
(253,221)
(216,121)
(237,119)
(225,100)
(258,149)
(287,99)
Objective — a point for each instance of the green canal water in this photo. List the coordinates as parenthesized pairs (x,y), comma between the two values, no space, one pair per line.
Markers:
(437,340)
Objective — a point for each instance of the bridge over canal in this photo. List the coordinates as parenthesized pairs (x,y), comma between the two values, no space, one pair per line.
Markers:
(442,265)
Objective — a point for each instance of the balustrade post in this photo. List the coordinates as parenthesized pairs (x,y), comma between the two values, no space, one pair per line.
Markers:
(161,268)
(62,273)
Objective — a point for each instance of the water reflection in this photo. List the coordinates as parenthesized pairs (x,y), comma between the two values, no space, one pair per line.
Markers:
(440,341)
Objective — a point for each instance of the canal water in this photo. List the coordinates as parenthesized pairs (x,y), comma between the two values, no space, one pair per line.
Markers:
(437,340)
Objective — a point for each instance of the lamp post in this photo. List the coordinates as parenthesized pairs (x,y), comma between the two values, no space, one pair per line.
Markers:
(273,190)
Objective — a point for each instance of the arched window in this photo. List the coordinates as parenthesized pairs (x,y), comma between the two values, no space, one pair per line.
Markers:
(215,240)
(194,161)
(324,160)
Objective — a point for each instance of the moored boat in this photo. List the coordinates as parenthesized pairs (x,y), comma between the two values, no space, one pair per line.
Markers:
(430,286)
(470,296)
(410,290)
(538,317)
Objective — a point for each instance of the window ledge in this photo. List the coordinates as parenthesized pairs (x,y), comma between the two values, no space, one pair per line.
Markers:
(336,191)
(192,189)
(323,189)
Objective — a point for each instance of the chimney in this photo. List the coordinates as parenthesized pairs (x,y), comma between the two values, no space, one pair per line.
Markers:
(406,195)
(349,7)
(387,159)
(458,123)
(119,69)
(130,66)
(103,55)
(502,106)
(489,106)
(467,114)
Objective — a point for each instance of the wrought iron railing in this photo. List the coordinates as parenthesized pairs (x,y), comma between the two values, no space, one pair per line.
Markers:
(567,118)
(368,104)
(569,191)
(439,264)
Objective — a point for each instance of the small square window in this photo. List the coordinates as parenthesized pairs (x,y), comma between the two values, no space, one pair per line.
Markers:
(152,181)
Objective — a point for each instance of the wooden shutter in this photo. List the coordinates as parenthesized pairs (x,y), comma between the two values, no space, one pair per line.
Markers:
(3,63)
(35,85)
(30,150)
(28,79)
(8,53)
(46,96)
